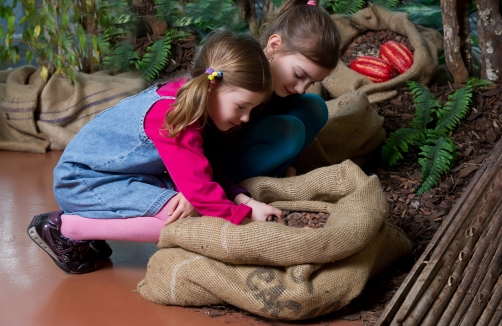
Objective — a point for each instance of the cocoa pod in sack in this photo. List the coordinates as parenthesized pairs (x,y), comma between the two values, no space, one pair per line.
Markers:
(426,44)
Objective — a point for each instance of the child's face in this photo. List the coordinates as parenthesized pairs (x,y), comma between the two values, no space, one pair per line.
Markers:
(228,107)
(292,73)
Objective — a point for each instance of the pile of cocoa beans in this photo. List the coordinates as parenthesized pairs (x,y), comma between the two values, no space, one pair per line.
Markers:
(308,220)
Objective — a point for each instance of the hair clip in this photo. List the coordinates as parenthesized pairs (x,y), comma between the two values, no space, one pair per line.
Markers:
(212,74)
(311,3)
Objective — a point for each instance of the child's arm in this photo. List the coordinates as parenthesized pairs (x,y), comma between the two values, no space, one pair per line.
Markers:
(240,195)
(260,210)
(179,207)
(190,170)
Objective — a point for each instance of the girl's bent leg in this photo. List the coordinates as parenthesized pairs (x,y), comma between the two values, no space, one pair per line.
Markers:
(310,109)
(268,146)
(135,229)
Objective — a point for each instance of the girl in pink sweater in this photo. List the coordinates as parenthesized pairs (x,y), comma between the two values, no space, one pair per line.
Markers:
(140,165)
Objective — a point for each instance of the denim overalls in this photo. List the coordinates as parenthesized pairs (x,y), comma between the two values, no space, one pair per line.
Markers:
(111,169)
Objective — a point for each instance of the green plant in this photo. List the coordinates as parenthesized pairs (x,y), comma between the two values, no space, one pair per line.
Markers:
(201,16)
(169,10)
(348,7)
(344,7)
(125,58)
(64,35)
(69,36)
(430,130)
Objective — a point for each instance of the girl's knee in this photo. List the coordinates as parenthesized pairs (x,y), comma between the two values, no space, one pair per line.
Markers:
(317,108)
(292,135)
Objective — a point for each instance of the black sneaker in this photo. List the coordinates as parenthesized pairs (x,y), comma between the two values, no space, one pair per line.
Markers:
(72,256)
(102,249)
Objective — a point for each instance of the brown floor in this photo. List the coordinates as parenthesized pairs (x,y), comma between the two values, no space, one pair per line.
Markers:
(34,291)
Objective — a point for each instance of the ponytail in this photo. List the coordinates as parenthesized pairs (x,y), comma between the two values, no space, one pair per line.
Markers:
(192,95)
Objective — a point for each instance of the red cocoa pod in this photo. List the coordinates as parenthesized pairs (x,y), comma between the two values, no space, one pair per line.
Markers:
(397,54)
(377,70)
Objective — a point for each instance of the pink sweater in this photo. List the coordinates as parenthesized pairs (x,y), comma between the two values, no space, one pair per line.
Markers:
(184,159)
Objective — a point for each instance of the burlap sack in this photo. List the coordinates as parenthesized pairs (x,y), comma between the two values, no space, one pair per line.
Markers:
(353,131)
(425,42)
(36,116)
(277,271)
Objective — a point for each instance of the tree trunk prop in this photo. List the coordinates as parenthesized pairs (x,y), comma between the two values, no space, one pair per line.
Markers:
(490,39)
(457,44)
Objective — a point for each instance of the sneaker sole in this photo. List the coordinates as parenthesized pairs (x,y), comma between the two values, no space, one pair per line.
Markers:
(32,232)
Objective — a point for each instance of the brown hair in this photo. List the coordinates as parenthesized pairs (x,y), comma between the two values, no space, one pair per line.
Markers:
(306,29)
(243,64)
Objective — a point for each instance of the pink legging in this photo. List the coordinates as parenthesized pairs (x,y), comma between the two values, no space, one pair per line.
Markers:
(137,229)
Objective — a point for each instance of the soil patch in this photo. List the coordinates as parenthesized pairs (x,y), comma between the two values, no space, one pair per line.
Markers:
(421,216)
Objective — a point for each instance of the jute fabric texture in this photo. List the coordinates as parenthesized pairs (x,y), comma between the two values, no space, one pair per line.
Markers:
(36,116)
(353,131)
(273,270)
(426,43)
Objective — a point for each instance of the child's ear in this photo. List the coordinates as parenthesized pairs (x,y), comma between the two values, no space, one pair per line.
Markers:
(274,44)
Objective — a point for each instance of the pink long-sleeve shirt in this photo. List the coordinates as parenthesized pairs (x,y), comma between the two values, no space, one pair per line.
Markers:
(184,159)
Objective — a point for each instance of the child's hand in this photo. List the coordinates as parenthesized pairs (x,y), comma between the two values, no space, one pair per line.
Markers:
(179,207)
(261,210)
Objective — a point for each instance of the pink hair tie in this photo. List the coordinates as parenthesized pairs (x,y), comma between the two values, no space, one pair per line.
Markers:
(311,3)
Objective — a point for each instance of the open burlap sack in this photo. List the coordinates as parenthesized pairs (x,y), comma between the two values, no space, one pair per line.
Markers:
(277,271)
(36,116)
(425,42)
(352,132)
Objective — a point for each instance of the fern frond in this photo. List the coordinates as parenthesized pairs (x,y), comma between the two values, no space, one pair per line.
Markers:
(175,34)
(168,10)
(389,4)
(122,58)
(209,14)
(399,141)
(474,82)
(345,7)
(425,104)
(454,110)
(438,156)
(155,59)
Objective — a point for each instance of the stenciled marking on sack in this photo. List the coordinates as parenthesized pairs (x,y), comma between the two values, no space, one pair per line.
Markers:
(303,276)
(268,294)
